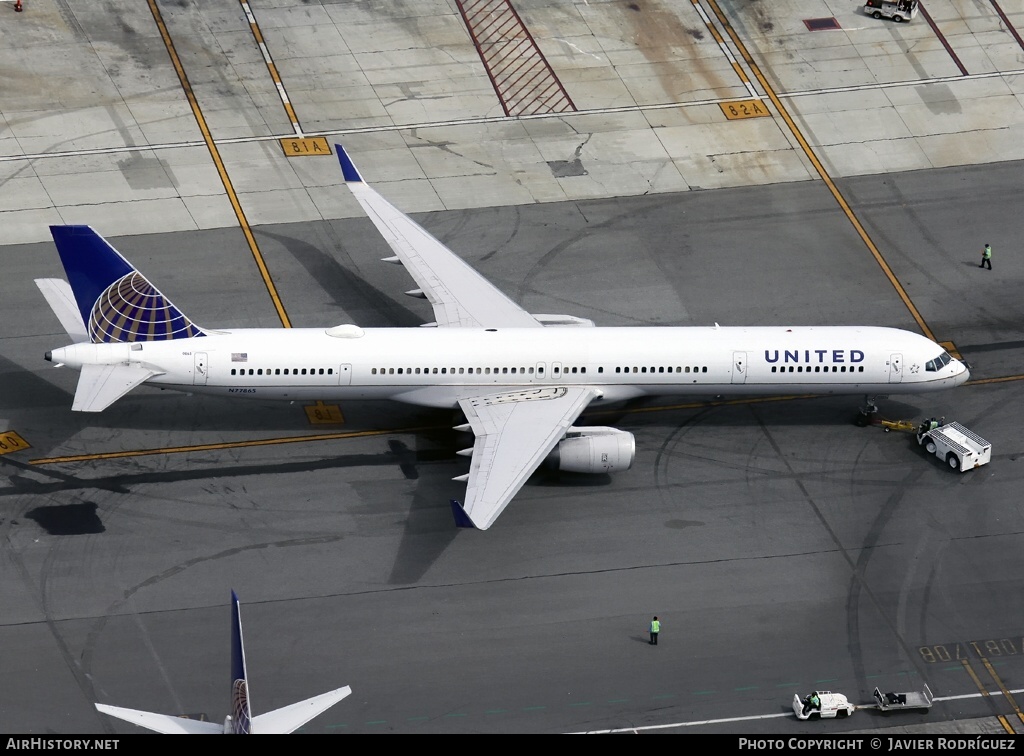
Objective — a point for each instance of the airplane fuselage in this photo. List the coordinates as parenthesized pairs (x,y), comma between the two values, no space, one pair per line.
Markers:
(437,366)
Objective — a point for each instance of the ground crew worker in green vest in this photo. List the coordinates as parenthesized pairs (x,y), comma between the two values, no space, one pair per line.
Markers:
(655,629)
(986,257)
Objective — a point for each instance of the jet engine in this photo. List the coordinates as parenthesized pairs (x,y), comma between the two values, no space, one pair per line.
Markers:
(594,450)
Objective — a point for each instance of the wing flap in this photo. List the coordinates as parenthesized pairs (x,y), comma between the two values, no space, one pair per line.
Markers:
(99,386)
(290,718)
(459,295)
(514,431)
(163,723)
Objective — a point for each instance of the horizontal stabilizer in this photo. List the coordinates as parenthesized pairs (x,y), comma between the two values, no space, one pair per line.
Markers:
(290,718)
(163,723)
(61,299)
(99,386)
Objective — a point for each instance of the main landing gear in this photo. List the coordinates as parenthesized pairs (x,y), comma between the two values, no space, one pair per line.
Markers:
(867,411)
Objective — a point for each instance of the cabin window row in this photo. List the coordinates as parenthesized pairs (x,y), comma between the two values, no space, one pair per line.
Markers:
(282,371)
(677,369)
(468,371)
(817,369)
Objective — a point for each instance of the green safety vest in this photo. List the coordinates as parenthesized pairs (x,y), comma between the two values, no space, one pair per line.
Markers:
(656,626)
(987,254)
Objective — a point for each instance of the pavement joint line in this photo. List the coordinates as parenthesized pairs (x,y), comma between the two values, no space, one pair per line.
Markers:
(483,120)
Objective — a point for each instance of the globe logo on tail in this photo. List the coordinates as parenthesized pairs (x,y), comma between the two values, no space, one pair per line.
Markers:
(132,309)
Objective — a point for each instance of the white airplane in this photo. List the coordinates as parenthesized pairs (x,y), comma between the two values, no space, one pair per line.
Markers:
(521,379)
(240,721)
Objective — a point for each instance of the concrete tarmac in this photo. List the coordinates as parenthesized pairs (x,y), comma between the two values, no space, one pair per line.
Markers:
(783,548)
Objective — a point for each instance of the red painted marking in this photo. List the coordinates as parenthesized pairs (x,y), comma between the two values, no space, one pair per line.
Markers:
(1009,26)
(520,74)
(942,39)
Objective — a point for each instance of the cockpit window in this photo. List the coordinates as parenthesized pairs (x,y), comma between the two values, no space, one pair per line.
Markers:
(939,362)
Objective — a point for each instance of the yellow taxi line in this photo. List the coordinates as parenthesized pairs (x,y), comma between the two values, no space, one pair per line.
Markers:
(225,445)
(219,163)
(381,432)
(798,135)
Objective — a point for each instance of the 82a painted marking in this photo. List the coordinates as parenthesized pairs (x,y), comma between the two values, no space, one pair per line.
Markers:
(744,109)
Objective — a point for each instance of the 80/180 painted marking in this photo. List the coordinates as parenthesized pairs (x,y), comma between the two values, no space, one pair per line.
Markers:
(982,649)
(12,442)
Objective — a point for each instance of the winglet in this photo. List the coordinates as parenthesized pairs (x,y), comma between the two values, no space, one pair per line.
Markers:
(348,168)
(461,518)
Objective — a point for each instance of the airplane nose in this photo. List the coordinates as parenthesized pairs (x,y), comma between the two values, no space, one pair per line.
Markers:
(48,356)
(964,375)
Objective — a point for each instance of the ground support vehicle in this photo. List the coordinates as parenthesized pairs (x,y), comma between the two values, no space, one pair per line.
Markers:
(830,705)
(961,448)
(919,700)
(897,10)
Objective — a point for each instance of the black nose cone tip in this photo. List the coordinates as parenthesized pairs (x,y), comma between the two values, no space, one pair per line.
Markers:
(48,356)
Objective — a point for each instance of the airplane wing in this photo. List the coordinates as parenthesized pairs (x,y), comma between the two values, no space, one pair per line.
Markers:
(290,718)
(99,386)
(163,723)
(459,295)
(61,299)
(514,431)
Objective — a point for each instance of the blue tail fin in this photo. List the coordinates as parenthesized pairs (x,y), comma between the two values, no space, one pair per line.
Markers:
(117,303)
(241,716)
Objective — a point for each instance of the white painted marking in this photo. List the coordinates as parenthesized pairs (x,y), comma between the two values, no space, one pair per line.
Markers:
(757,717)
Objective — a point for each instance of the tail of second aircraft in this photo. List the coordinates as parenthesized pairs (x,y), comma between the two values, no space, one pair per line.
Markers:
(240,721)
(105,299)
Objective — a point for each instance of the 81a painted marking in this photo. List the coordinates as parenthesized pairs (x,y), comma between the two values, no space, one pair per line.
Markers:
(324,414)
(303,146)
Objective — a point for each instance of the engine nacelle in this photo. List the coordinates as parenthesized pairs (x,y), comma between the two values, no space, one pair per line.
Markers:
(594,450)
